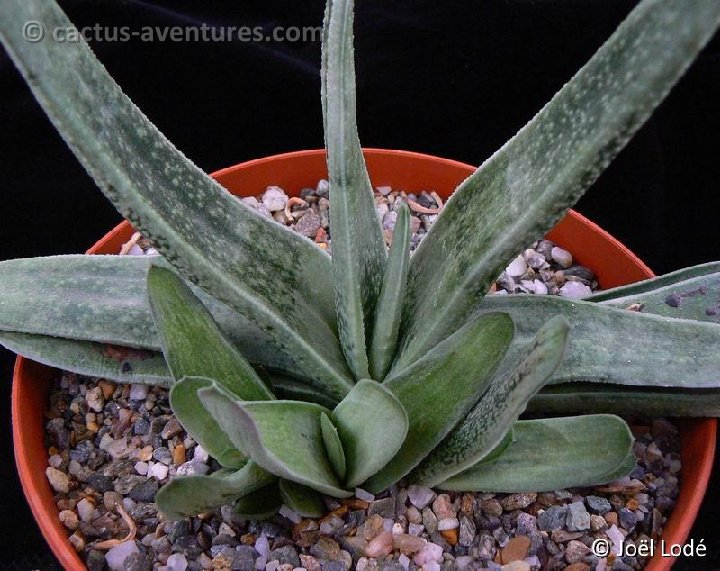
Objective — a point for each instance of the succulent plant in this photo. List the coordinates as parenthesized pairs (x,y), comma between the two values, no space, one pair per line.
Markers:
(389,366)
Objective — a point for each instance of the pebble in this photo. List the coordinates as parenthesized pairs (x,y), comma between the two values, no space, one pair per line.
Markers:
(575,290)
(420,496)
(274,199)
(380,546)
(598,504)
(577,518)
(518,501)
(58,480)
(138,392)
(443,508)
(552,518)
(517,267)
(115,557)
(561,256)
(516,549)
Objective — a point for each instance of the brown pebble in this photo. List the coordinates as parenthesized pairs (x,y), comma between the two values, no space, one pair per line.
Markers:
(561,536)
(179,454)
(380,546)
(517,548)
(107,388)
(78,541)
(355,504)
(450,535)
(467,504)
(248,539)
(577,567)
(611,518)
(69,519)
(491,508)
(145,454)
(632,504)
(408,544)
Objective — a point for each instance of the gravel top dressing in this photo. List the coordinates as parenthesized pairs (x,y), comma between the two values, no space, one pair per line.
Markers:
(112,446)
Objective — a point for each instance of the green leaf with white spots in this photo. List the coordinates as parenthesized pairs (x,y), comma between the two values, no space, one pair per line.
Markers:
(121,364)
(440,389)
(274,277)
(304,501)
(333,447)
(484,429)
(648,402)
(553,454)
(372,425)
(192,342)
(284,437)
(187,496)
(389,307)
(693,293)
(200,424)
(259,505)
(615,346)
(357,242)
(521,191)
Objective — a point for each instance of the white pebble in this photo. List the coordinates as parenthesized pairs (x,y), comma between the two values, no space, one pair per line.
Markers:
(388,524)
(415,529)
(431,552)
(74,467)
(617,538)
(540,287)
(575,290)
(463,561)
(361,494)
(152,252)
(94,399)
(177,562)
(157,470)
(431,566)
(448,523)
(404,560)
(420,496)
(55,460)
(141,468)
(135,250)
(262,546)
(272,565)
(397,529)
(138,392)
(116,556)
(293,516)
(85,510)
(274,198)
(200,454)
(58,480)
(517,267)
(562,257)
(192,468)
(260,563)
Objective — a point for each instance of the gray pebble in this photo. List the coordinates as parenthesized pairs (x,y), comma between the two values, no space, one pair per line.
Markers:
(333,566)
(285,554)
(187,545)
(137,562)
(598,505)
(177,529)
(145,491)
(101,483)
(124,484)
(578,518)
(384,507)
(95,560)
(467,531)
(627,519)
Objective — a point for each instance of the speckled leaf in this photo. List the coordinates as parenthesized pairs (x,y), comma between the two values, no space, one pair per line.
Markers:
(259,505)
(104,299)
(192,342)
(575,398)
(122,364)
(483,430)
(440,389)
(553,454)
(686,294)
(357,242)
(389,307)
(610,345)
(302,500)
(521,191)
(274,277)
(333,447)
(372,425)
(200,424)
(284,437)
(187,496)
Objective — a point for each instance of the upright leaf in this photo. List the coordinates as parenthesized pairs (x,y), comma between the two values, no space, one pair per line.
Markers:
(192,342)
(187,496)
(284,437)
(389,307)
(333,446)
(372,425)
(440,389)
(521,191)
(357,242)
(274,277)
(597,447)
(484,429)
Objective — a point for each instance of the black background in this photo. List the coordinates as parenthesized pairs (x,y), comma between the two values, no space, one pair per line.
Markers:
(454,79)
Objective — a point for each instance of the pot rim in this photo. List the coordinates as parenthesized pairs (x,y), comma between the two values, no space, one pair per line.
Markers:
(698,435)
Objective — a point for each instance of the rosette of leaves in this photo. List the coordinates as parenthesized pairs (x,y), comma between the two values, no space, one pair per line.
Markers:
(304,375)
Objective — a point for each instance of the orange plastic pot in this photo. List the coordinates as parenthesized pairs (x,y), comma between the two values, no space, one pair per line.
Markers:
(612,262)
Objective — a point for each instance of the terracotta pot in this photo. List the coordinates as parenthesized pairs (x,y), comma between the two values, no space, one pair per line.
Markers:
(612,262)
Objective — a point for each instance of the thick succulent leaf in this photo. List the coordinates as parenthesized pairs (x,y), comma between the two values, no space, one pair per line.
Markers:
(357,242)
(576,398)
(121,364)
(389,308)
(521,191)
(192,342)
(104,299)
(274,277)
(484,429)
(611,345)
(186,496)
(552,454)
(372,425)
(440,389)
(681,295)
(200,424)
(284,437)
(302,500)
(259,505)
(333,447)
(291,389)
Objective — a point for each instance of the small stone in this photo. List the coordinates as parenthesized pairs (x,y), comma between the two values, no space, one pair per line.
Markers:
(562,257)
(85,509)
(491,507)
(611,518)
(274,199)
(627,518)
(450,536)
(384,508)
(141,468)
(363,495)
(95,399)
(145,492)
(69,519)
(420,496)
(141,562)
(577,519)
(408,544)
(380,546)
(467,531)
(443,508)
(413,515)
(309,562)
(575,290)
(58,480)
(172,428)
(77,540)
(518,501)
(598,523)
(178,454)
(138,392)
(516,566)
(575,551)
(562,536)
(598,504)
(116,555)
(517,267)
(552,518)
(192,468)
(327,548)
(429,520)
(308,224)
(95,560)
(516,549)
(448,523)
(431,552)
(285,555)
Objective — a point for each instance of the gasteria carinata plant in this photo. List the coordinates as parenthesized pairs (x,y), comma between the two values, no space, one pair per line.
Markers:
(398,366)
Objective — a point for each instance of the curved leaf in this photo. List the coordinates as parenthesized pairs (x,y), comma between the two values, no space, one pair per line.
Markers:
(597,447)
(259,505)
(372,425)
(284,437)
(291,389)
(483,430)
(521,191)
(302,500)
(440,389)
(333,447)
(357,242)
(187,496)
